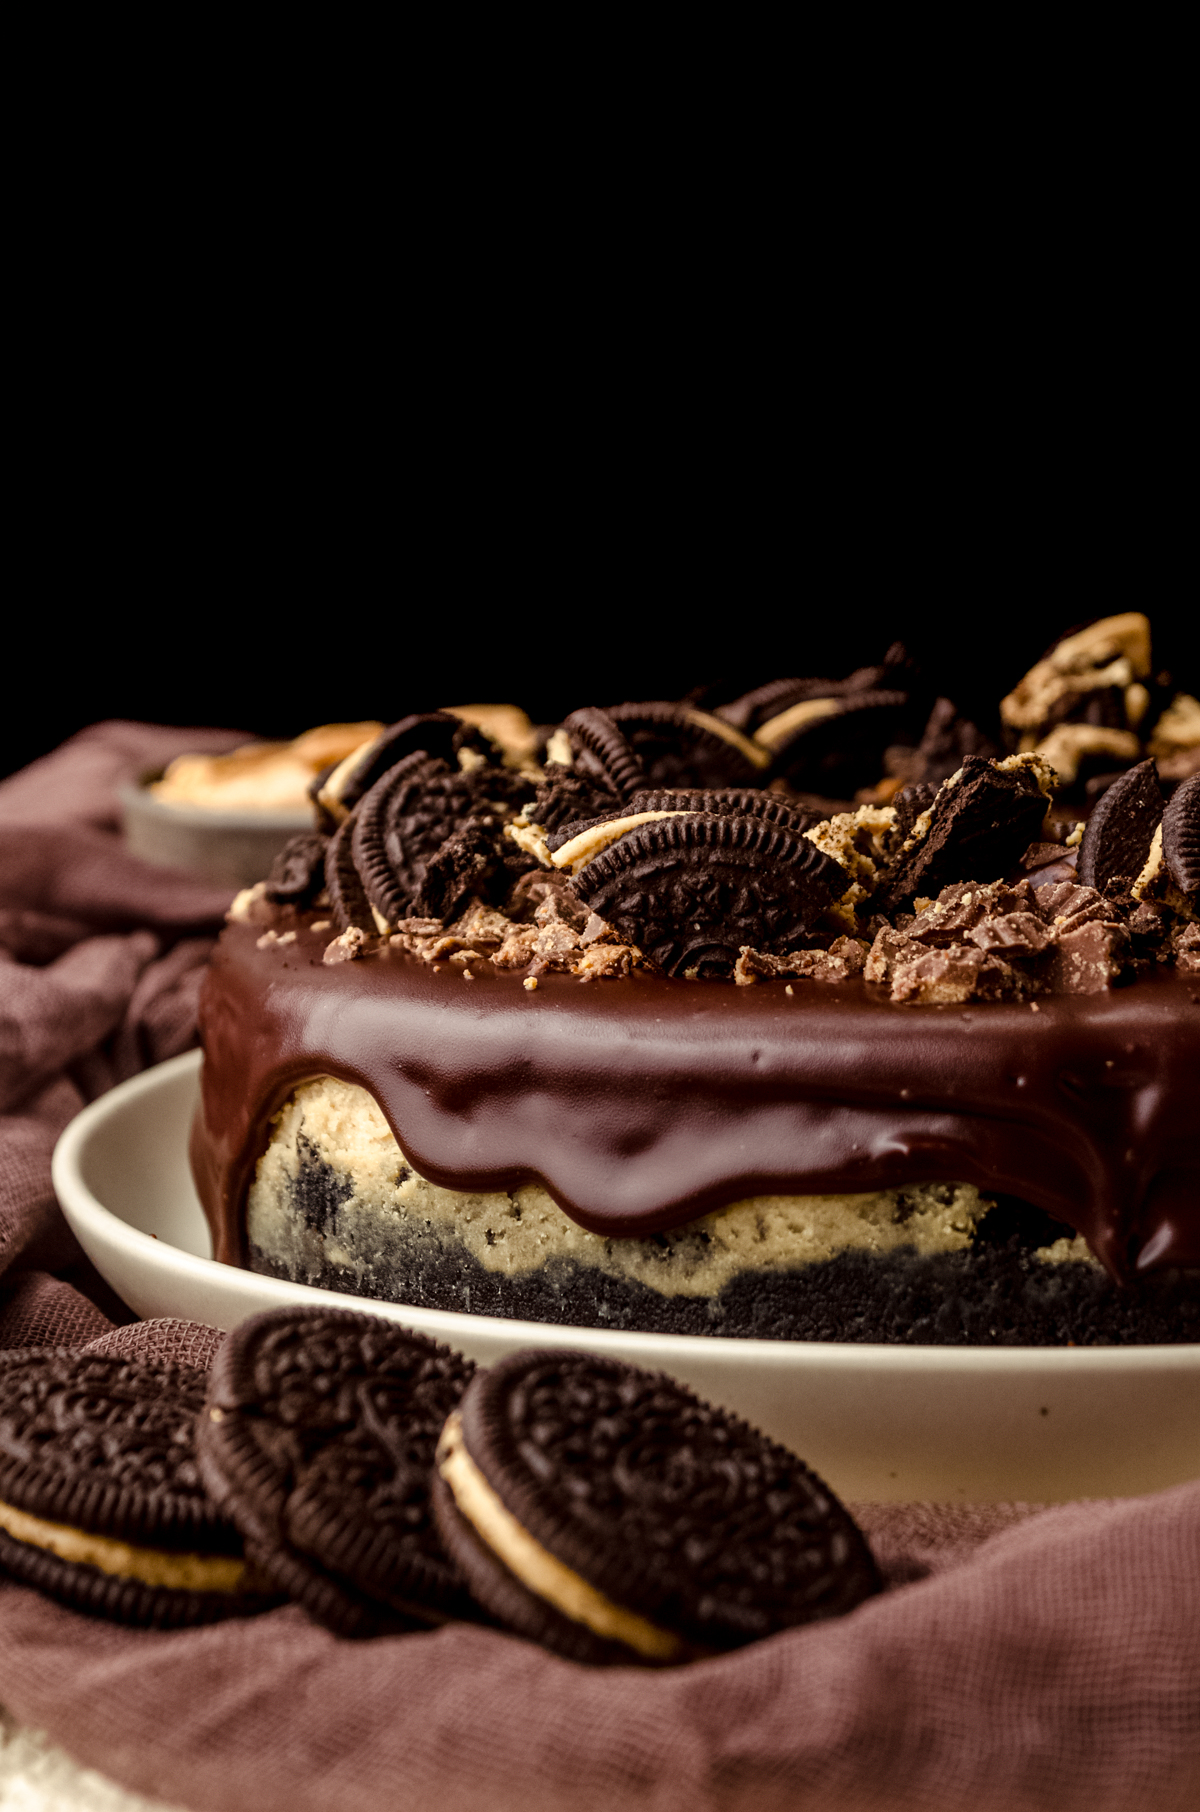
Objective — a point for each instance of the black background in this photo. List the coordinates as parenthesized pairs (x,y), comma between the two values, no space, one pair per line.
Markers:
(276,668)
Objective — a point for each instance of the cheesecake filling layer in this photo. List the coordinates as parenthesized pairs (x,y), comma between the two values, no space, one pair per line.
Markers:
(643,1105)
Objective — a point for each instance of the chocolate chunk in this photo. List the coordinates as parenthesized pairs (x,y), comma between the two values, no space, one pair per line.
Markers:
(318,1439)
(298,871)
(980,826)
(1088,959)
(690,1529)
(1118,835)
(1181,836)
(349,906)
(104,1447)
(692,891)
(602,753)
(675,749)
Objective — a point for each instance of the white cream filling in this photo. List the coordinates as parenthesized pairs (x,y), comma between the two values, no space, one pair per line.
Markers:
(121,1559)
(534,1565)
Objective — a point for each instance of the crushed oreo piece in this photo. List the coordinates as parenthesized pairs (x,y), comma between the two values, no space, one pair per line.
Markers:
(1118,835)
(298,871)
(692,892)
(1181,836)
(565,797)
(980,826)
(463,868)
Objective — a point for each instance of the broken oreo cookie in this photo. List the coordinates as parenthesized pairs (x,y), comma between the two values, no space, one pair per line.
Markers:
(1117,838)
(318,1440)
(1181,836)
(611,1515)
(101,1504)
(693,890)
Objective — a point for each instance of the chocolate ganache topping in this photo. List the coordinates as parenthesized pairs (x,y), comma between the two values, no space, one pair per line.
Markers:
(989,990)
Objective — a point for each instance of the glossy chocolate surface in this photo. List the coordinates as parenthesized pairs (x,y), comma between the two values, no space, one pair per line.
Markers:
(642,1102)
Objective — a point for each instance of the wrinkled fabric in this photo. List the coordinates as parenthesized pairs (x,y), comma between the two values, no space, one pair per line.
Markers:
(1021,1658)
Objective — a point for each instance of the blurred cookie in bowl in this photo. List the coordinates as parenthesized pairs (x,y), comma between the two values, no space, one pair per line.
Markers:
(226,817)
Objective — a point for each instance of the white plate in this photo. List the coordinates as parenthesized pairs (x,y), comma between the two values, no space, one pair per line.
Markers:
(1037,1424)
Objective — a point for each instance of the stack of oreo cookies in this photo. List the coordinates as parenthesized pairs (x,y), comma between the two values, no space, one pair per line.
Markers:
(386,1486)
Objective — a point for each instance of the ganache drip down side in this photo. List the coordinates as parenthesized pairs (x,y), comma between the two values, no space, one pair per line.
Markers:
(643,1102)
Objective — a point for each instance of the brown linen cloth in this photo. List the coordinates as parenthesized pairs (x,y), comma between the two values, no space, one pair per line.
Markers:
(1020,1660)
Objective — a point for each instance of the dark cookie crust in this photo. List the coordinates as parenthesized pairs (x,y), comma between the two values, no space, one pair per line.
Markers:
(669,1507)
(318,1439)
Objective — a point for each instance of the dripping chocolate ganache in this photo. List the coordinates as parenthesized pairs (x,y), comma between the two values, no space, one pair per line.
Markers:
(815,1016)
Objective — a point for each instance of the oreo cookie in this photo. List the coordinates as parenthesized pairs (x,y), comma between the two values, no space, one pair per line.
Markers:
(980,826)
(611,1515)
(1181,836)
(692,891)
(101,1504)
(318,1440)
(602,753)
(298,871)
(1117,838)
(679,746)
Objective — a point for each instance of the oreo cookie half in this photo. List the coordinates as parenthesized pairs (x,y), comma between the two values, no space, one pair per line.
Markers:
(693,890)
(1118,835)
(101,1504)
(614,1517)
(318,1440)
(1181,836)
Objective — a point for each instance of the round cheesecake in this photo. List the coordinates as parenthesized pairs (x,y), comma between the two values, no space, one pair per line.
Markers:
(698,1157)
(648,1036)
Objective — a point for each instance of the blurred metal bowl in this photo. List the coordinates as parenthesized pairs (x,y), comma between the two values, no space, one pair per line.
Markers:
(235,848)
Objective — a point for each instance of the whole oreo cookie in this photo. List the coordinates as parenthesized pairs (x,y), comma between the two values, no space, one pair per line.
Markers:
(611,1515)
(318,1440)
(101,1503)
